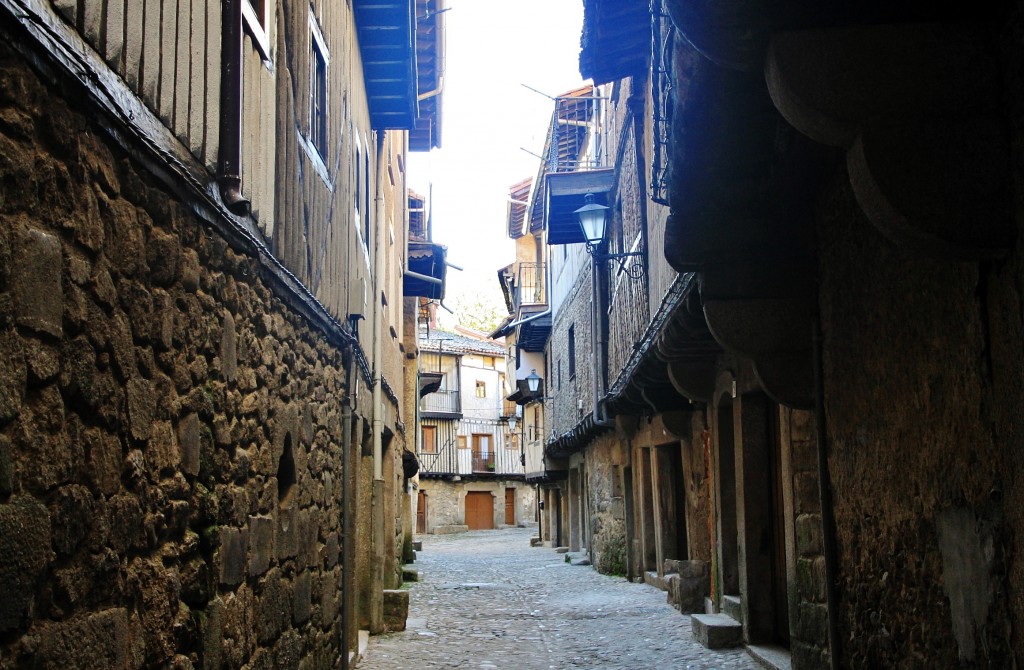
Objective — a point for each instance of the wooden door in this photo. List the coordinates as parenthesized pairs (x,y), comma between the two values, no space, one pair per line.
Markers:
(510,506)
(421,512)
(479,510)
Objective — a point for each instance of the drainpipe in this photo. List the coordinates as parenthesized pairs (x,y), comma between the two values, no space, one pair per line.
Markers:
(597,324)
(230,169)
(378,313)
(348,507)
(378,552)
(828,521)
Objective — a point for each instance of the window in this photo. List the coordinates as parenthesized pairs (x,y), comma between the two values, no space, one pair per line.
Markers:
(481,389)
(572,351)
(429,444)
(460,442)
(488,361)
(256,14)
(318,61)
(559,373)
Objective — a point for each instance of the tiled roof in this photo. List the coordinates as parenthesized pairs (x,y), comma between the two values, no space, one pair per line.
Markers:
(446,342)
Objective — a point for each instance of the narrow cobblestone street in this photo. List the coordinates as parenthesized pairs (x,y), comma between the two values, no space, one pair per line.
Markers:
(486,599)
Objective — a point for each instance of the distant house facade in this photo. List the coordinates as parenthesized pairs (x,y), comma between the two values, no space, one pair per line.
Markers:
(470,455)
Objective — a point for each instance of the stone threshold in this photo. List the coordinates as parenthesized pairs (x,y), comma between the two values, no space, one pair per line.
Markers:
(770,656)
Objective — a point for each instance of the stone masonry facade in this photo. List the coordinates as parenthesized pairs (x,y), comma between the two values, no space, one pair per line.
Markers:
(169,428)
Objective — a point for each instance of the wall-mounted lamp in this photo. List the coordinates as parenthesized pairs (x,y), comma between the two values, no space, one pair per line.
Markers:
(533,381)
(594,222)
(512,424)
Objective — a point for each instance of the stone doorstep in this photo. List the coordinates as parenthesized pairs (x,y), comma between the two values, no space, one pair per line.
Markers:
(364,642)
(417,545)
(651,577)
(410,574)
(732,606)
(716,631)
(449,530)
(535,542)
(771,656)
(561,550)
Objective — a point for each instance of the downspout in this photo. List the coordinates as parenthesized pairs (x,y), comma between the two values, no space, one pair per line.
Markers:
(600,362)
(230,169)
(828,522)
(348,506)
(378,314)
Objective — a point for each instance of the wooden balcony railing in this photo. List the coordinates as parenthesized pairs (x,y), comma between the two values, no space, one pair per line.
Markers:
(447,402)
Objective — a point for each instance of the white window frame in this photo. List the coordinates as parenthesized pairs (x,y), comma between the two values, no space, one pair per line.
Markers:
(320,46)
(260,30)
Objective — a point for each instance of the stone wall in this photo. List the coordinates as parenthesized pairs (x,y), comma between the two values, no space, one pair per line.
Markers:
(605,458)
(808,612)
(925,476)
(169,428)
(446,502)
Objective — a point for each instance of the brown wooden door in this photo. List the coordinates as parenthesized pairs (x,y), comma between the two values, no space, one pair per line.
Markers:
(510,507)
(479,510)
(421,513)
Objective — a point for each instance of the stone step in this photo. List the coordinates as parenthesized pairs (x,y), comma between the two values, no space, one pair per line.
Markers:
(582,560)
(561,550)
(396,609)
(733,606)
(410,574)
(535,541)
(651,577)
(716,631)
(417,545)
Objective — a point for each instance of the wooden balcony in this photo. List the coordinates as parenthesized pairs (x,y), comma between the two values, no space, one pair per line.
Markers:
(441,403)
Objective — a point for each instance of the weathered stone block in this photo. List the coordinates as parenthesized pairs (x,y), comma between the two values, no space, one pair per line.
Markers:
(233,549)
(97,641)
(806,496)
(309,555)
(6,467)
(716,631)
(396,609)
(410,574)
(261,544)
(417,545)
(689,586)
(24,553)
(38,292)
(72,517)
(13,375)
(302,600)
(228,349)
(274,609)
(189,440)
(331,550)
(808,535)
(287,537)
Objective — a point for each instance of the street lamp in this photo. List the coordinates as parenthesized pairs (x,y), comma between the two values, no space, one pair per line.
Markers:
(512,424)
(593,220)
(533,381)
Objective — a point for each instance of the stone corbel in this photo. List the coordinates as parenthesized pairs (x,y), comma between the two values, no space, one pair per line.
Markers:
(914,105)
(729,33)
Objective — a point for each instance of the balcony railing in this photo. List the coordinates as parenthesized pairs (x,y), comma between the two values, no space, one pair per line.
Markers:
(446,402)
(576,135)
(529,285)
(483,462)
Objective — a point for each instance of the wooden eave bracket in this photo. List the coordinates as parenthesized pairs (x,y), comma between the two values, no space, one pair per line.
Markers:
(915,107)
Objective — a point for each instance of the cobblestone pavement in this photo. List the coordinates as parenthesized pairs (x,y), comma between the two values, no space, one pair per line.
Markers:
(486,599)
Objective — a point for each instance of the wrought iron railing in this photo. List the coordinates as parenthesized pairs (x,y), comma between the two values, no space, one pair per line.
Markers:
(447,402)
(483,462)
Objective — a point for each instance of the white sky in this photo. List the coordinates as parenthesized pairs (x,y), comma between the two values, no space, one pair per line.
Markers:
(492,49)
